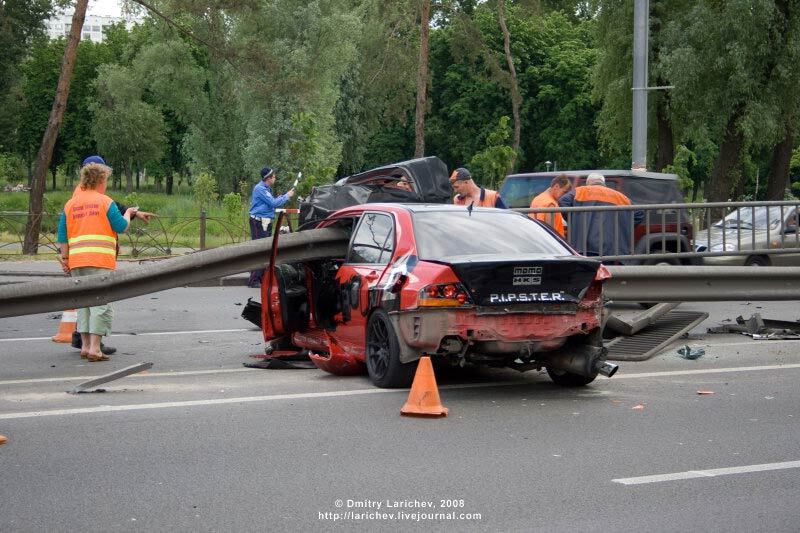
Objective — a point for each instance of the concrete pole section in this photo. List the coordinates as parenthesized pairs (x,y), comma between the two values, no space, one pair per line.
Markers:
(641,15)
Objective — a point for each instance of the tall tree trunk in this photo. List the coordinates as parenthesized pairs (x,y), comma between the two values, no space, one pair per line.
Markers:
(778,179)
(170,179)
(666,146)
(422,80)
(129,177)
(31,244)
(516,98)
(53,171)
(727,160)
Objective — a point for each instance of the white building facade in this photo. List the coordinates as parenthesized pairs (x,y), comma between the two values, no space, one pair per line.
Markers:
(93,26)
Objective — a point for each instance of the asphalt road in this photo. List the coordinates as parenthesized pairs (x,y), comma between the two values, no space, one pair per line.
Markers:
(200,443)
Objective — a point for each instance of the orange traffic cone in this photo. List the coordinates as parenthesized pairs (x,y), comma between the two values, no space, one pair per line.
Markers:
(69,318)
(423,399)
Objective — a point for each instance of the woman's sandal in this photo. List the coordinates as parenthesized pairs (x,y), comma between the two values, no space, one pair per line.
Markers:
(95,358)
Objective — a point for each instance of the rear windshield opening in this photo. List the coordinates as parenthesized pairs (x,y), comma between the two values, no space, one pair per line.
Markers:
(443,234)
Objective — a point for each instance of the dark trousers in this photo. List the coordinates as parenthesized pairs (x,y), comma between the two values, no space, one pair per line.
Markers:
(257,232)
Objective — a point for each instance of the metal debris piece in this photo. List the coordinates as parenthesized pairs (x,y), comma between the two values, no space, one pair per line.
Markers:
(776,337)
(121,373)
(640,321)
(705,392)
(761,328)
(654,338)
(687,352)
(639,407)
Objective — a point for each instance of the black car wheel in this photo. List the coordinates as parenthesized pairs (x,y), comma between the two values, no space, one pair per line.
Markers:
(757,260)
(383,354)
(568,379)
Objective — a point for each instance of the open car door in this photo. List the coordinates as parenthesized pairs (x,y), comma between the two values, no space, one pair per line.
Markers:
(284,295)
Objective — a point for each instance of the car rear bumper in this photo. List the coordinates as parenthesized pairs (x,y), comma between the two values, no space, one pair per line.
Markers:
(452,331)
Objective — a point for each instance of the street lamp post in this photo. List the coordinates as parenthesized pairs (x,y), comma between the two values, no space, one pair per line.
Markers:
(547,164)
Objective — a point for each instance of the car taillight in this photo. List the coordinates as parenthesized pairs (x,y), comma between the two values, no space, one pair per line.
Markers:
(595,290)
(444,295)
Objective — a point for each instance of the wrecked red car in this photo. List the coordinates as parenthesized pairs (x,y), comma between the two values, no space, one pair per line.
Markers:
(480,286)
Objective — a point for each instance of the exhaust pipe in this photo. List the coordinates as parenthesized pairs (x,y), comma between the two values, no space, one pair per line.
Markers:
(582,360)
(605,368)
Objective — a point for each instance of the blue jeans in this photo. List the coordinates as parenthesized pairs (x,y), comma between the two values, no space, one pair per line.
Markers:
(257,232)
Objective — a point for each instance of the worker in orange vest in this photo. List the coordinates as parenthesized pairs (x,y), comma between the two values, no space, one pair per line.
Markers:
(87,237)
(549,198)
(468,193)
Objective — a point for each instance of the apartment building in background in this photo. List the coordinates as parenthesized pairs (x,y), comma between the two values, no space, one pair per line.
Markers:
(93,26)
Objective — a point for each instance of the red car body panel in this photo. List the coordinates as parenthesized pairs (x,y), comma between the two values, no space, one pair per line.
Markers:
(342,349)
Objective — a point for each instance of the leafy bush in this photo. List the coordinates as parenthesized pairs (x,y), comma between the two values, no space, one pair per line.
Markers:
(205,190)
(490,165)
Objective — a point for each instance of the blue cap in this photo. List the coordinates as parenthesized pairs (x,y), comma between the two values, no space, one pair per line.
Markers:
(93,159)
(266,172)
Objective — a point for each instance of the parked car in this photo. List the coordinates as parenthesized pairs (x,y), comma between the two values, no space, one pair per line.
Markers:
(673,231)
(752,228)
(483,286)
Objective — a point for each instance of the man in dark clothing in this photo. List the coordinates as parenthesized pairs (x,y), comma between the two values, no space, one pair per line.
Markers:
(594,232)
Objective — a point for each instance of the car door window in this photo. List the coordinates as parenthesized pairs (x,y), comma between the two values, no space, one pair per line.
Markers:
(373,242)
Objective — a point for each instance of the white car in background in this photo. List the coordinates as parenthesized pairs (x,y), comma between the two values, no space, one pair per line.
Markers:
(752,228)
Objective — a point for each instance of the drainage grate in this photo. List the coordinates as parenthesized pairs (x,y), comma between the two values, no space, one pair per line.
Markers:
(654,338)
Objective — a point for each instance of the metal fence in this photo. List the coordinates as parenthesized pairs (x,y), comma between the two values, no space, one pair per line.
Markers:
(723,233)
(744,232)
(161,236)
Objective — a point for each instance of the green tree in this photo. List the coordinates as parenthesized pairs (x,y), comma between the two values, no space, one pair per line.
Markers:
(127,130)
(21,22)
(733,79)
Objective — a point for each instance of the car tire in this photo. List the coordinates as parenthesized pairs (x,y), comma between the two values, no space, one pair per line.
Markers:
(383,354)
(757,260)
(662,262)
(569,379)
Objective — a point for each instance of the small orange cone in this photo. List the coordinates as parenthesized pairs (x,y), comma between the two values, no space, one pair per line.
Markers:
(69,319)
(423,399)
(3,440)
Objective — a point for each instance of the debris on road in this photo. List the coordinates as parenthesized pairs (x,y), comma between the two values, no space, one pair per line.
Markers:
(127,371)
(761,328)
(687,352)
(3,439)
(705,392)
(638,407)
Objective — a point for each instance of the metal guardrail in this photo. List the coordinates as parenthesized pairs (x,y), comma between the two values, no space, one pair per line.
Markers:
(628,283)
(71,293)
(670,231)
(701,283)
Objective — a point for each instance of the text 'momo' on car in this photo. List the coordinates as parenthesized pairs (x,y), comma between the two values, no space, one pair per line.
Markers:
(481,286)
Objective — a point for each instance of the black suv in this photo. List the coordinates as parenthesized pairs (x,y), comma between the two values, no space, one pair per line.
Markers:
(669,227)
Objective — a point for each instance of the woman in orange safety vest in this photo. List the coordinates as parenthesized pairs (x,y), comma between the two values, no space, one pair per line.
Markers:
(87,237)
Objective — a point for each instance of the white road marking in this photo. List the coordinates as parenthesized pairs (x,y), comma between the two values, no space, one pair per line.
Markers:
(617,376)
(354,392)
(152,333)
(693,474)
(667,373)
(244,399)
(140,375)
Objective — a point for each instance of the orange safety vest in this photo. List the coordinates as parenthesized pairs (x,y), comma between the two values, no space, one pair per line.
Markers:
(489,199)
(92,242)
(555,220)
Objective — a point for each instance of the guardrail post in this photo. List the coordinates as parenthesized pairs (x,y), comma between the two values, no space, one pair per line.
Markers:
(203,229)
